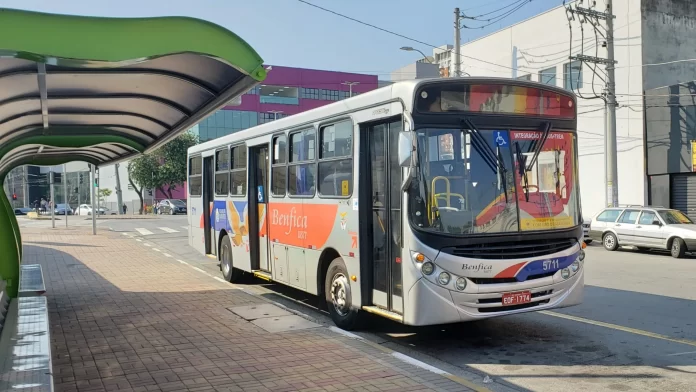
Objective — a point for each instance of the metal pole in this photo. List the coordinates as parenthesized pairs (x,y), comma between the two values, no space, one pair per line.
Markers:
(52,204)
(119,194)
(610,138)
(98,196)
(64,178)
(457,43)
(94,216)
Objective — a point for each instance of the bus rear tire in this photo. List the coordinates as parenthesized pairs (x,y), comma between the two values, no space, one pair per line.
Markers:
(337,294)
(230,273)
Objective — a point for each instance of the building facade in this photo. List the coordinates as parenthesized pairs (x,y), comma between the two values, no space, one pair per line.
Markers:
(656,126)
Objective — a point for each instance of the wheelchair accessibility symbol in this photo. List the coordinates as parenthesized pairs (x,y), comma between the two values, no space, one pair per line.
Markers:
(501,138)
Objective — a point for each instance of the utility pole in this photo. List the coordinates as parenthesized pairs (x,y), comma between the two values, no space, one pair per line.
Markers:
(94,216)
(456,60)
(610,156)
(52,204)
(350,87)
(119,195)
(64,180)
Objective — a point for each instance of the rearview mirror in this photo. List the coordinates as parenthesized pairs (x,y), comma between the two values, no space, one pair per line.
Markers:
(657,222)
(405,153)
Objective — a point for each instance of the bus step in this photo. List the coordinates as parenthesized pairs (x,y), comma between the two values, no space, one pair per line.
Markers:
(384,313)
(263,275)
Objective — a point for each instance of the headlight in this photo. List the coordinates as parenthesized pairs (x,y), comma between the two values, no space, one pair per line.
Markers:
(575,266)
(427,268)
(444,278)
(460,283)
(565,273)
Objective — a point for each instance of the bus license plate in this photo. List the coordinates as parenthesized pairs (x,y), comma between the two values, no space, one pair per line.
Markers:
(520,297)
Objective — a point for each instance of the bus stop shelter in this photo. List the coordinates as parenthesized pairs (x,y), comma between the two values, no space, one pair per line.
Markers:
(104,90)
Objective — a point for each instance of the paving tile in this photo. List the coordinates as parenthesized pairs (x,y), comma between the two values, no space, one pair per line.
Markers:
(125,318)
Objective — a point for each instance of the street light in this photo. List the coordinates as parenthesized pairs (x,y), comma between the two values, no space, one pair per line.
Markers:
(411,49)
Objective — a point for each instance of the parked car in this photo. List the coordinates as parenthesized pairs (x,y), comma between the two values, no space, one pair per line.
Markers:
(22,210)
(61,209)
(171,207)
(645,228)
(86,209)
(586,230)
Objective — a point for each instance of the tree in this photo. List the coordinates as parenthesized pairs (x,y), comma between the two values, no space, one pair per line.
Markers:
(173,156)
(103,192)
(162,169)
(141,175)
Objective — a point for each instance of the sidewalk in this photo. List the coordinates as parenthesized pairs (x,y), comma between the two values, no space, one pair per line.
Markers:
(125,317)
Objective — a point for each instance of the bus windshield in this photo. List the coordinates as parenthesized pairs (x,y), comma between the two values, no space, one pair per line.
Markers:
(472,181)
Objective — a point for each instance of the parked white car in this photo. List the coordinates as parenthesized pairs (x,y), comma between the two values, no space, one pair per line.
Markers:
(645,228)
(86,209)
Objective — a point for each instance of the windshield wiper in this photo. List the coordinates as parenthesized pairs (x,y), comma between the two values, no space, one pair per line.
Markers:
(491,158)
(522,170)
(539,146)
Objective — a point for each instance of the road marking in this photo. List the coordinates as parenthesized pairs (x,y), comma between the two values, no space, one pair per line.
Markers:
(199,270)
(143,231)
(417,363)
(220,279)
(167,255)
(181,261)
(168,230)
(156,250)
(686,353)
(620,328)
(124,233)
(184,227)
(139,240)
(146,244)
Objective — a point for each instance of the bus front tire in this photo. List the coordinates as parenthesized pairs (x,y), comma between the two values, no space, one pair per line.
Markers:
(337,294)
(230,273)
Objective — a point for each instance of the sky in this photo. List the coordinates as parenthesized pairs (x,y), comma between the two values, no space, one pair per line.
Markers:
(291,33)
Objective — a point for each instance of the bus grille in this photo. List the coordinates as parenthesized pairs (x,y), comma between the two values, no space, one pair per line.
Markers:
(500,299)
(511,250)
(510,280)
(513,307)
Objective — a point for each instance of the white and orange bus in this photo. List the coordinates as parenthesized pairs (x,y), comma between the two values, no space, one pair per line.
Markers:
(427,202)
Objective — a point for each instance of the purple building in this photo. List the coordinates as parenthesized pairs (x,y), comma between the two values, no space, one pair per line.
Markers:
(286,91)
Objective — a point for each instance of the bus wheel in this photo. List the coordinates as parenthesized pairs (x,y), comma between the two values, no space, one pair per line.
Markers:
(338,296)
(230,273)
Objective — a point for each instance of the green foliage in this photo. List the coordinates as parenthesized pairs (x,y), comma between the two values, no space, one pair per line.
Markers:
(104,192)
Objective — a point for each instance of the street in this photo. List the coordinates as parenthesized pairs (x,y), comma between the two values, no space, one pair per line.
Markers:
(634,331)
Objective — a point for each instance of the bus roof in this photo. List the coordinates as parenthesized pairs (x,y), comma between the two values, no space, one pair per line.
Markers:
(403,92)
(101,90)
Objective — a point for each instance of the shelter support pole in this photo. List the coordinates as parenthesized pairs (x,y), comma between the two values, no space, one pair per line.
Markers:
(94,210)
(9,246)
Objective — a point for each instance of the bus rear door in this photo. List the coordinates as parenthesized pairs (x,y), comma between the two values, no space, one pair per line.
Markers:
(258,207)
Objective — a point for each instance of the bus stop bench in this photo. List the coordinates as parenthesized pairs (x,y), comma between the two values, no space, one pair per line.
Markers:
(25,345)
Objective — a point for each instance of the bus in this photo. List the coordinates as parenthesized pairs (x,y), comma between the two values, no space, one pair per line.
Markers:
(427,202)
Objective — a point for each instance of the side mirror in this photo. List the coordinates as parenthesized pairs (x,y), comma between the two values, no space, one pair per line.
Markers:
(657,222)
(405,153)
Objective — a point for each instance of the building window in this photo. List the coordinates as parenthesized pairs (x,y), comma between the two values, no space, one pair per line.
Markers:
(195,178)
(572,75)
(279,94)
(525,77)
(268,117)
(238,170)
(344,94)
(329,95)
(336,160)
(278,166)
(309,93)
(301,168)
(225,122)
(548,76)
(222,171)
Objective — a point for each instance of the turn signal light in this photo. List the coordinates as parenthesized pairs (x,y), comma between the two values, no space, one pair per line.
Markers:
(584,245)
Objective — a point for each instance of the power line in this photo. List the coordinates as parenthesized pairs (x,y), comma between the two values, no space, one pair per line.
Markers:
(395,33)
(498,18)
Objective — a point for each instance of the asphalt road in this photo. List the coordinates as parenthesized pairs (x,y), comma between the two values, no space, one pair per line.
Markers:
(635,331)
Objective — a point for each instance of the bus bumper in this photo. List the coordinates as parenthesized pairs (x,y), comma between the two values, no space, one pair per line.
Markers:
(434,304)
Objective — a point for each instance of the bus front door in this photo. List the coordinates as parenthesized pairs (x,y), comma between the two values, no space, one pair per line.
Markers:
(382,237)
(258,208)
(208,199)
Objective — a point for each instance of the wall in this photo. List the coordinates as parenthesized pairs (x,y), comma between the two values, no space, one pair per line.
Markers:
(543,42)
(418,70)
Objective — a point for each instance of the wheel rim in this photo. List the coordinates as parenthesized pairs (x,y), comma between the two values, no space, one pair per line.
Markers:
(225,260)
(609,241)
(340,290)
(675,247)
